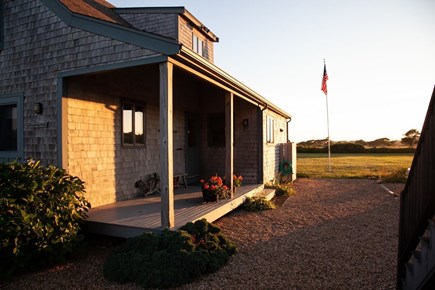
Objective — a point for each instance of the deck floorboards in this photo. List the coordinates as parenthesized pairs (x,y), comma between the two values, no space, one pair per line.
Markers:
(132,217)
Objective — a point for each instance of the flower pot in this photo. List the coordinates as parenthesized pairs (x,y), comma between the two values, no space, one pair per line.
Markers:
(209,196)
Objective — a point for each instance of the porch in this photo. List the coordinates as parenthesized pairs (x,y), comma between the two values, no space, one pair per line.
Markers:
(135,216)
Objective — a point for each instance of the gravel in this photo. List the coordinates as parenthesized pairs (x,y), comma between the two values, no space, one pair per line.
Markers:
(332,234)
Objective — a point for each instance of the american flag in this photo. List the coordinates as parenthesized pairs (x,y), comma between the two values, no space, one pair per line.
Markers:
(324,79)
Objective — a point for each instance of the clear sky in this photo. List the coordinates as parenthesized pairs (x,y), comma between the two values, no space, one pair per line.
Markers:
(380,58)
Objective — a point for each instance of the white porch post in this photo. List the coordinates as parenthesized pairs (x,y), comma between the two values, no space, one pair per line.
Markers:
(166,146)
(229,140)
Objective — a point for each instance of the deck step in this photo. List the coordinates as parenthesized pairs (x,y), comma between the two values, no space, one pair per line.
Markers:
(267,193)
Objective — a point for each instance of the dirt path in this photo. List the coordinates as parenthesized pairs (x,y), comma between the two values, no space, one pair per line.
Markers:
(332,234)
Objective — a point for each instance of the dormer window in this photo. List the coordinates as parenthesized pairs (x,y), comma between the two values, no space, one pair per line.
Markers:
(197,45)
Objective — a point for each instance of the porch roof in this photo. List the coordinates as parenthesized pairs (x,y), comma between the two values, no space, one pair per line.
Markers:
(219,77)
(182,56)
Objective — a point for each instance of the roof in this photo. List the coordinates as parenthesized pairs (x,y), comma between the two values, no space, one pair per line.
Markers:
(101,17)
(97,16)
(99,9)
(180,10)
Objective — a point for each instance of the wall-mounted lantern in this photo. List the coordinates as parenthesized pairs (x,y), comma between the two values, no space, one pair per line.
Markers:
(37,108)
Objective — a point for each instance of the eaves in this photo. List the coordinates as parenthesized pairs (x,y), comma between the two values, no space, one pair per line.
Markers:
(212,72)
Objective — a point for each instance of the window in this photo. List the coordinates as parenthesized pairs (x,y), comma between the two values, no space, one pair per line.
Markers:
(8,128)
(197,45)
(11,127)
(133,125)
(216,130)
(270,127)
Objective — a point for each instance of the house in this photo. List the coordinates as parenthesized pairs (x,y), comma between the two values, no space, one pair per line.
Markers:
(113,94)
(416,251)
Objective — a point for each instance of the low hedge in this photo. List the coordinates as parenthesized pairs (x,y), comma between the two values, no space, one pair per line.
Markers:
(258,204)
(41,212)
(354,148)
(170,259)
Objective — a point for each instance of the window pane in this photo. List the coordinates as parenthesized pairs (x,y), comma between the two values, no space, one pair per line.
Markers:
(200,44)
(8,128)
(195,43)
(127,124)
(138,125)
(270,130)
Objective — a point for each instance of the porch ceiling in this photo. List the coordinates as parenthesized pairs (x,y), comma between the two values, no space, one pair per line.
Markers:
(142,83)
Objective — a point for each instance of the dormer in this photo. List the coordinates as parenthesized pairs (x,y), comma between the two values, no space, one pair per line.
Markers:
(173,22)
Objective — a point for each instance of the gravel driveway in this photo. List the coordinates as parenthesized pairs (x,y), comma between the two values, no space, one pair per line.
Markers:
(332,234)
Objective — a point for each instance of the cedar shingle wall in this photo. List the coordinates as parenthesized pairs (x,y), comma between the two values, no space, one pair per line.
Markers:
(95,152)
(271,150)
(246,147)
(185,37)
(37,46)
(246,141)
(162,24)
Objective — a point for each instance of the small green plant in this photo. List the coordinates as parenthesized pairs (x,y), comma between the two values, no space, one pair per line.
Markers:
(41,209)
(171,259)
(258,204)
(281,188)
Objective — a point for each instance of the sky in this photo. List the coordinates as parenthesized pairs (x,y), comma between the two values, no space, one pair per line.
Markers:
(380,58)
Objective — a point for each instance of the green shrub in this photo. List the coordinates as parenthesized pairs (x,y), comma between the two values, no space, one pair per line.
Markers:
(41,210)
(281,188)
(258,204)
(171,259)
(347,148)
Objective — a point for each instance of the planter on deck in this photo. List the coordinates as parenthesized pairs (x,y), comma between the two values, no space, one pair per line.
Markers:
(209,195)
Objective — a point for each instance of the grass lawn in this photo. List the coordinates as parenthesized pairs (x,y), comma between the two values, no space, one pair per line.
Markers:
(352,165)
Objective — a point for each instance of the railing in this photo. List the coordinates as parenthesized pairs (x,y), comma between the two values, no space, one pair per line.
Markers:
(417,200)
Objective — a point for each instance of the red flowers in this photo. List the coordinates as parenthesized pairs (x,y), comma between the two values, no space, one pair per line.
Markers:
(237,180)
(215,186)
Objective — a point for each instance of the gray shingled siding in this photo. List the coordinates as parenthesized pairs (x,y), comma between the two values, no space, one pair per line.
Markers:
(271,150)
(38,46)
(186,32)
(162,24)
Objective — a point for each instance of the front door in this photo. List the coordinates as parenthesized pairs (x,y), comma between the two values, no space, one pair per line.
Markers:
(192,146)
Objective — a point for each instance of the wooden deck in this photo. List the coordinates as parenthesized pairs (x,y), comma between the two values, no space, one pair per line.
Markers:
(132,217)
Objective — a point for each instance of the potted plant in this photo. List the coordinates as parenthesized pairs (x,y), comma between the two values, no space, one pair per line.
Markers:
(213,189)
(237,180)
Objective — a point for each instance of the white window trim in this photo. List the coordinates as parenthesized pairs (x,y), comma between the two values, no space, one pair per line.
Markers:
(134,144)
(270,130)
(197,45)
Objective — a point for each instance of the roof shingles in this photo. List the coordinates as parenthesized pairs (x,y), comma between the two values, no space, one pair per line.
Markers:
(99,9)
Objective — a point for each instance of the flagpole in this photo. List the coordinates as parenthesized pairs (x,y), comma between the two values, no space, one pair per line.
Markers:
(325,90)
(329,139)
